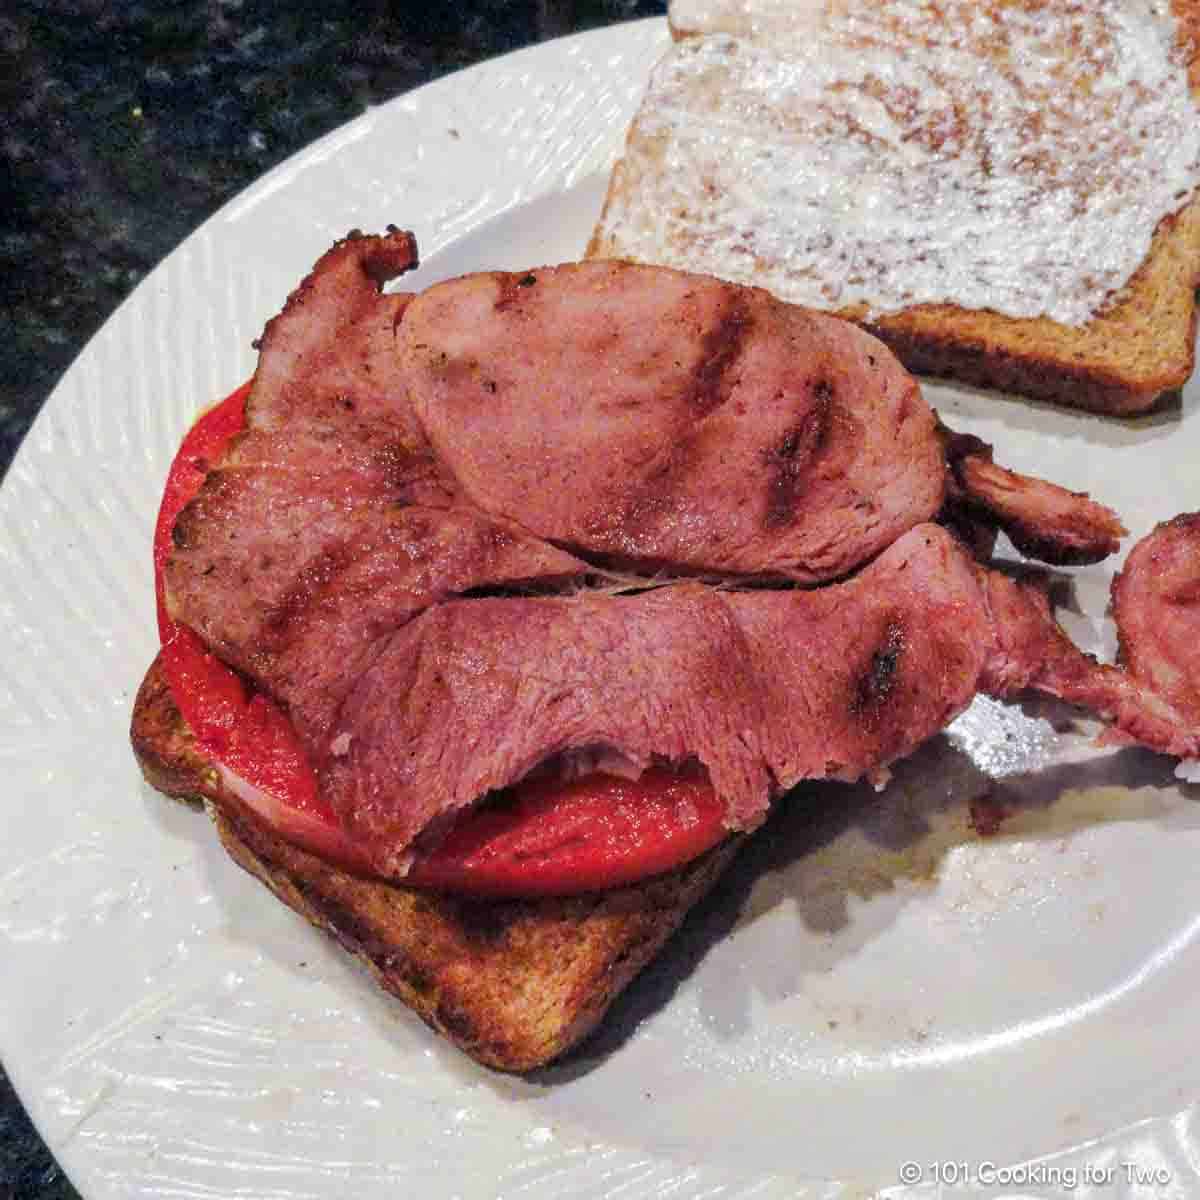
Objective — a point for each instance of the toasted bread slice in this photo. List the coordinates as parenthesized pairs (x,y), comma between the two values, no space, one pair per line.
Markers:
(513,983)
(751,95)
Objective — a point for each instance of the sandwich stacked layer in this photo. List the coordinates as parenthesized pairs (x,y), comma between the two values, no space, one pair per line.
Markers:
(457,547)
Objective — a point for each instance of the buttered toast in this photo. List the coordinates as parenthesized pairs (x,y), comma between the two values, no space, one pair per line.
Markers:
(1005,193)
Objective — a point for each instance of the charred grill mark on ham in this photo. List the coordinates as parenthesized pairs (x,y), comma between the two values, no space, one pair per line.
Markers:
(281,617)
(791,458)
(875,684)
(512,288)
(720,347)
(629,533)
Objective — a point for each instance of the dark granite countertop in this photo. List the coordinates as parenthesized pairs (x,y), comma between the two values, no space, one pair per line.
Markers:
(128,124)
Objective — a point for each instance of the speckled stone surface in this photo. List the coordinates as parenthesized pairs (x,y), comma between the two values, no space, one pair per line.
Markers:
(127,125)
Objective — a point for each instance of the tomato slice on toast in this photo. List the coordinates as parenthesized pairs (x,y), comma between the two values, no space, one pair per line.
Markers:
(550,838)
(541,838)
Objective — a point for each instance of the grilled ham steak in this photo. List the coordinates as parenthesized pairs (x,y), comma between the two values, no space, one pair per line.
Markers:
(403,455)
(654,418)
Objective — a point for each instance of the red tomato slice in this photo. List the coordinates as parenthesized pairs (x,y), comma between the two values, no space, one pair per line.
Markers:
(556,839)
(203,443)
(247,736)
(548,838)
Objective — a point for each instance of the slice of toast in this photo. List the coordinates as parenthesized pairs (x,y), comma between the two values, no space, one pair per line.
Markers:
(717,177)
(515,984)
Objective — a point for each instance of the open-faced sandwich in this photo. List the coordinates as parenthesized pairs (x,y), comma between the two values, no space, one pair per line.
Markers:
(492,617)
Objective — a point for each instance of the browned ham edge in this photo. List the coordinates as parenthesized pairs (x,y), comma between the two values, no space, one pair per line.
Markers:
(1031,653)
(1156,603)
(1042,520)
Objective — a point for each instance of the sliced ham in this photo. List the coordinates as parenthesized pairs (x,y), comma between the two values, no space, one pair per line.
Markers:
(1156,602)
(325,398)
(317,575)
(652,418)
(405,458)
(763,688)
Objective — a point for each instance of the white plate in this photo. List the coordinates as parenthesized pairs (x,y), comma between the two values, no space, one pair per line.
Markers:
(877,984)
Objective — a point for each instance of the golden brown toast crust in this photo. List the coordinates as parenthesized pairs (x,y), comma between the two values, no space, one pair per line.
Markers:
(514,984)
(1138,349)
